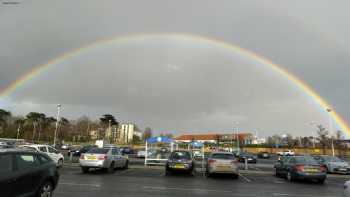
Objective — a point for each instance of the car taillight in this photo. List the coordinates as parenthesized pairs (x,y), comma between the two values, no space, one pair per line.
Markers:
(235,161)
(323,168)
(299,168)
(210,161)
(82,156)
(102,157)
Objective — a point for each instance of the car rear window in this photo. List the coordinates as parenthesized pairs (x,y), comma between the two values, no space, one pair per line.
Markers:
(305,160)
(181,155)
(99,150)
(222,156)
(5,164)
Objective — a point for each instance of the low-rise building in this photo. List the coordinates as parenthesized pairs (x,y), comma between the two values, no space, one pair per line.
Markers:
(244,138)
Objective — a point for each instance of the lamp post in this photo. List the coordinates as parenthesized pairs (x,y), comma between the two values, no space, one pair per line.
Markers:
(331,128)
(237,137)
(109,130)
(313,136)
(57,122)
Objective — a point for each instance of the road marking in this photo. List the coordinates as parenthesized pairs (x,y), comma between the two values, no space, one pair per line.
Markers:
(299,195)
(245,178)
(79,184)
(196,189)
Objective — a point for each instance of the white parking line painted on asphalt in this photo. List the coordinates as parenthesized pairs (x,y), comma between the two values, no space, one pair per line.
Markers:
(245,178)
(79,184)
(197,189)
(300,195)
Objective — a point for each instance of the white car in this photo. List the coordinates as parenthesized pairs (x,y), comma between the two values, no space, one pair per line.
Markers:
(346,192)
(286,153)
(54,154)
(141,153)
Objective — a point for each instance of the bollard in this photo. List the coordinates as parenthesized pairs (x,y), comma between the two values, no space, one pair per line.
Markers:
(245,163)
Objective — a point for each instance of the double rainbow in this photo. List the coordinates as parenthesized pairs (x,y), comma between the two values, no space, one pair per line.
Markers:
(219,43)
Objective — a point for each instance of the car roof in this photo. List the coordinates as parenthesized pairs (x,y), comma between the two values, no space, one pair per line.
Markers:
(17,150)
(221,152)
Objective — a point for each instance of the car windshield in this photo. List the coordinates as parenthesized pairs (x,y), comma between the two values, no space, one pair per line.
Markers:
(180,155)
(222,156)
(99,150)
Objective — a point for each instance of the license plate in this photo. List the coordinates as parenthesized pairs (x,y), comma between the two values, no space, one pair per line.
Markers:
(311,170)
(223,167)
(179,166)
(91,157)
(343,169)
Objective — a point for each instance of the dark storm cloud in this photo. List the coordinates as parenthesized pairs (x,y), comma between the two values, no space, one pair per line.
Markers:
(309,39)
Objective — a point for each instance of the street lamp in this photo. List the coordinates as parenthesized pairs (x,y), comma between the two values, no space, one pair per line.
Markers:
(312,123)
(237,137)
(57,122)
(331,128)
(109,130)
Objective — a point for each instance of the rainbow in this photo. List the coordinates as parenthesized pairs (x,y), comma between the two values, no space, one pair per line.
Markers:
(219,43)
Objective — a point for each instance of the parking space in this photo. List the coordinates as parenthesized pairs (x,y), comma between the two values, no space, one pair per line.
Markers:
(153,182)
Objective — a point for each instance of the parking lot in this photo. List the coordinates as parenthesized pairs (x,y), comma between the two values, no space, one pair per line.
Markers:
(151,181)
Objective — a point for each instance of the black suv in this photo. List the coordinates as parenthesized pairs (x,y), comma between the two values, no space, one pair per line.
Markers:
(24,172)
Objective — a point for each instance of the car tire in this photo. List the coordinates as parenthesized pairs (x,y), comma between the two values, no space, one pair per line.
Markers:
(275,172)
(111,168)
(45,190)
(85,170)
(235,176)
(126,166)
(321,181)
(290,177)
(167,172)
(60,163)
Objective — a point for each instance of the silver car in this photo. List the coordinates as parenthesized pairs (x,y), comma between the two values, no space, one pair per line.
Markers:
(222,163)
(334,164)
(103,158)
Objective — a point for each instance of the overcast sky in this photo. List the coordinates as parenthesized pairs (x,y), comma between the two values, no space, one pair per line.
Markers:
(172,83)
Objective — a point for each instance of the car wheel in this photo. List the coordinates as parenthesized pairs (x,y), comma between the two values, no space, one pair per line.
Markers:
(167,172)
(46,190)
(60,163)
(275,172)
(235,176)
(85,169)
(290,177)
(111,168)
(321,181)
(126,166)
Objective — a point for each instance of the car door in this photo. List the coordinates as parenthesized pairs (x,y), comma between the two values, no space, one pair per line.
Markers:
(284,165)
(28,174)
(7,177)
(53,153)
(114,153)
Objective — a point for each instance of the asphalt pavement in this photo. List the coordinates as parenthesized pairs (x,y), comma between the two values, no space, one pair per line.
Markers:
(140,181)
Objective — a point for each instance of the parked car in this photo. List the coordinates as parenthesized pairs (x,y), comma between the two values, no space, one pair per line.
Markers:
(346,192)
(65,147)
(250,157)
(127,150)
(54,154)
(79,151)
(334,164)
(24,172)
(103,158)
(141,153)
(180,161)
(223,163)
(264,155)
(300,167)
(286,153)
